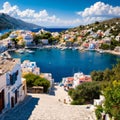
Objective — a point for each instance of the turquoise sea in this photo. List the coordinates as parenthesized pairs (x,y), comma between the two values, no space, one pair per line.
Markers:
(64,63)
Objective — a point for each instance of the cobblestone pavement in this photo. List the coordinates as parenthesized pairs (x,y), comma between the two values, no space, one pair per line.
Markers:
(47,107)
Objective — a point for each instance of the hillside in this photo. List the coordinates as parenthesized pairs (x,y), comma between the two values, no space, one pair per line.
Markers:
(99,25)
(7,22)
(101,35)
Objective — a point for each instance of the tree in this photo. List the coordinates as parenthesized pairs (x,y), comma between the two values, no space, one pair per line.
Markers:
(51,40)
(85,93)
(15,40)
(107,74)
(116,71)
(105,46)
(36,80)
(36,39)
(98,112)
(112,100)
(4,36)
(97,75)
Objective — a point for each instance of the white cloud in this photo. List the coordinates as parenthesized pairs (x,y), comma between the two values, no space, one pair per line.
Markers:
(41,18)
(100,9)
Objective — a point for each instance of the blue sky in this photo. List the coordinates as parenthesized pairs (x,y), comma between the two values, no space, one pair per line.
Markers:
(61,13)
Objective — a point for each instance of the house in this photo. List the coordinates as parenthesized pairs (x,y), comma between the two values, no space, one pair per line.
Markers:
(91,46)
(107,40)
(117,49)
(77,79)
(44,41)
(28,66)
(118,38)
(107,32)
(13,35)
(67,82)
(4,45)
(28,38)
(55,34)
(12,88)
(80,78)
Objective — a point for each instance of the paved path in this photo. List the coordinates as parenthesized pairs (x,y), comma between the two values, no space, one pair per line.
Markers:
(47,107)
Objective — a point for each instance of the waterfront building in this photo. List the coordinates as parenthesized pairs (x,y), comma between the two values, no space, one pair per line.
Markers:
(28,38)
(4,45)
(13,35)
(117,49)
(91,46)
(28,67)
(12,87)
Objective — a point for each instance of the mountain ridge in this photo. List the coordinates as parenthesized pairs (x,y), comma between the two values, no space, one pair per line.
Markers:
(8,22)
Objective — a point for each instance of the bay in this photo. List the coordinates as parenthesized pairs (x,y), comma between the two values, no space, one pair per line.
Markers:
(64,63)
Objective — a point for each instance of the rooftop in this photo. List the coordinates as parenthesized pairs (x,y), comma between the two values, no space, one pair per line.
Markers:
(7,64)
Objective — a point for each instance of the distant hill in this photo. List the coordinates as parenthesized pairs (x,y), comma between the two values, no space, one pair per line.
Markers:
(99,24)
(8,22)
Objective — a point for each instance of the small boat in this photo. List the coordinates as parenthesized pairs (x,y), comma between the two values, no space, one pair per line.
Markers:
(63,48)
(74,48)
(21,51)
(101,51)
(29,51)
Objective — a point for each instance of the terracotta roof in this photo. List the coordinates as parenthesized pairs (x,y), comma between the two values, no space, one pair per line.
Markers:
(70,78)
(85,79)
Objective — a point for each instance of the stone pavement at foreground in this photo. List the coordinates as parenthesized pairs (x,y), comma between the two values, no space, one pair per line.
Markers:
(48,107)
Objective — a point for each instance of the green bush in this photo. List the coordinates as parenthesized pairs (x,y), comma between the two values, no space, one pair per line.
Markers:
(85,93)
(35,80)
(98,112)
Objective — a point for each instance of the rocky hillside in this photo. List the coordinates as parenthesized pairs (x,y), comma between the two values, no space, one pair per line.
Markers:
(7,22)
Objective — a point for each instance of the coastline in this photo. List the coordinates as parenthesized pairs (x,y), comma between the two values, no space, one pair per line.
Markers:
(62,48)
(112,52)
(78,48)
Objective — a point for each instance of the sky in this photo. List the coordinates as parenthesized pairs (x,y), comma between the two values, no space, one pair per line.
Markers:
(61,13)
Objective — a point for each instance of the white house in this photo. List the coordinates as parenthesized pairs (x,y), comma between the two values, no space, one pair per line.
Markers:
(11,87)
(118,37)
(81,78)
(3,47)
(28,38)
(13,35)
(28,66)
(44,41)
(117,49)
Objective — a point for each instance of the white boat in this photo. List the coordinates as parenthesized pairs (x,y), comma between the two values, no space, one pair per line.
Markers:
(101,51)
(29,51)
(21,51)
(74,48)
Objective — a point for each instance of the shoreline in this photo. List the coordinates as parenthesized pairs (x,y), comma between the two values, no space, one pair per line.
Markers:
(62,48)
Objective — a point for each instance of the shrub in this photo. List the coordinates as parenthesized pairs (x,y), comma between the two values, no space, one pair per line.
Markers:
(98,112)
(35,80)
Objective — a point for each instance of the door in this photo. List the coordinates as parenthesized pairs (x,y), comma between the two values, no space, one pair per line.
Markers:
(12,102)
(15,96)
(2,100)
